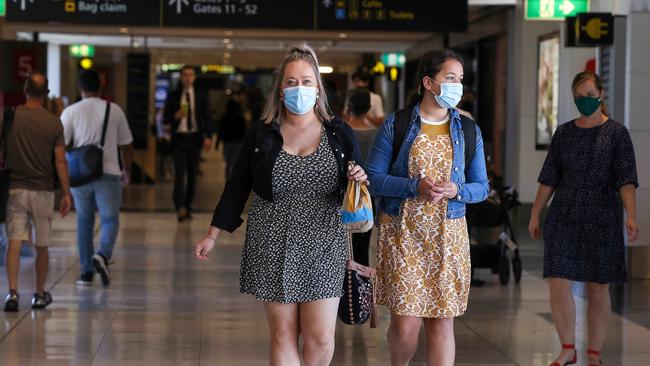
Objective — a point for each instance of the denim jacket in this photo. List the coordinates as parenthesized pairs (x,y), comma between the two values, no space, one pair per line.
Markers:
(393,184)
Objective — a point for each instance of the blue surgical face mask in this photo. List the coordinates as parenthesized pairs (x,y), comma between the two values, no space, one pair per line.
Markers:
(450,94)
(300,99)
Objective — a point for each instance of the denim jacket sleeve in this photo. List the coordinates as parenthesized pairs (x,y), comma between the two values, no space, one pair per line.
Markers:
(227,215)
(476,187)
(382,183)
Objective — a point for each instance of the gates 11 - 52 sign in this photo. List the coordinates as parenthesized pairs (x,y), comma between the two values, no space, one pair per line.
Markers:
(554,9)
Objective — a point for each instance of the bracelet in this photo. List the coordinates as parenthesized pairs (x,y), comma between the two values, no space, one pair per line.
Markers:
(211,238)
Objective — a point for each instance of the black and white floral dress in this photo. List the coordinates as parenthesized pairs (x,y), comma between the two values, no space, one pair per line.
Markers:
(295,248)
(583,230)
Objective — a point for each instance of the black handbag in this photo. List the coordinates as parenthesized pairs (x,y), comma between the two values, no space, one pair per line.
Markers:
(5,174)
(358,302)
(86,163)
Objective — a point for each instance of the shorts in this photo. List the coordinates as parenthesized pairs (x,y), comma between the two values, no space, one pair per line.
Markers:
(30,211)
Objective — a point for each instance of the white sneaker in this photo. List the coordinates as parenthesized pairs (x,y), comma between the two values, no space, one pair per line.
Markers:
(101,266)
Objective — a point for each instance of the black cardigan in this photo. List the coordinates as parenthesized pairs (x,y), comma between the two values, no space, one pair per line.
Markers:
(254,167)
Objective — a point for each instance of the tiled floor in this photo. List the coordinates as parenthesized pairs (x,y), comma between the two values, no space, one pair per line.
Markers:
(164,308)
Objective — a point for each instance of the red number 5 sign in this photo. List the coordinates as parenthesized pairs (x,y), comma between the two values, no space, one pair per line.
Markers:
(24,63)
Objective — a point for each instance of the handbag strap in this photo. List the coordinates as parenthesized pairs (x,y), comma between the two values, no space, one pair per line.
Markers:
(350,250)
(7,121)
(351,165)
(104,127)
(105,124)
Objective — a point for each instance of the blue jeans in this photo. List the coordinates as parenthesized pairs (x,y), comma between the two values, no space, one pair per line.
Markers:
(103,195)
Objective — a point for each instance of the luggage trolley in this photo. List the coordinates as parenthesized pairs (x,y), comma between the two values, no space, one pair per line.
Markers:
(491,213)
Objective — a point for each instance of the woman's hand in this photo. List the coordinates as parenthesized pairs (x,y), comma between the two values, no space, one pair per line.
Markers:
(358,174)
(426,190)
(205,245)
(207,144)
(533,227)
(632,229)
(448,190)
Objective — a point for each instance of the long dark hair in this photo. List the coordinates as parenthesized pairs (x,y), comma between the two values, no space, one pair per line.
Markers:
(430,65)
(583,76)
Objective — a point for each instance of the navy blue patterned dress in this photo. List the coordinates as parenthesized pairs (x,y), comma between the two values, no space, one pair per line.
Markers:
(583,231)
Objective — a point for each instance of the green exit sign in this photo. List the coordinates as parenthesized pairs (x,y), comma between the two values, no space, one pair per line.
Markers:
(3,7)
(82,50)
(393,59)
(554,9)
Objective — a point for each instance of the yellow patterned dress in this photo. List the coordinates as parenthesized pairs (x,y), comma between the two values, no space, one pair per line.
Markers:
(423,262)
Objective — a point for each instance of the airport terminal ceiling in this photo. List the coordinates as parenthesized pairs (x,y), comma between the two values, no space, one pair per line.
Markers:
(247,48)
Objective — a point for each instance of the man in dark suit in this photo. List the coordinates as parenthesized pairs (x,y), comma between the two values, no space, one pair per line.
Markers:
(188,114)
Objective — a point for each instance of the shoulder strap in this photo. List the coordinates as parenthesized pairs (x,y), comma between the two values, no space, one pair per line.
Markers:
(401,124)
(469,133)
(7,121)
(105,124)
(403,119)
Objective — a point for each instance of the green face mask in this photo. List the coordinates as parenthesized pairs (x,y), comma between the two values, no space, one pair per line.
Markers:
(587,105)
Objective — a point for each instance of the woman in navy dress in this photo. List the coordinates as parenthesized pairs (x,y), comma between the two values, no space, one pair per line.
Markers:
(589,170)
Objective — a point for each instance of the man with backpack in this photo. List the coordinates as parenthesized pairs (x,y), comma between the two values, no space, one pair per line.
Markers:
(33,149)
(91,123)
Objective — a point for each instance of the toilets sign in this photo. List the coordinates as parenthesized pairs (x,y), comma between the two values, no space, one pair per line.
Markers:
(123,12)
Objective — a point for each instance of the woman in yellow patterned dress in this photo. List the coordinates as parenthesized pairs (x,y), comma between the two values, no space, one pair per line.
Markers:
(424,174)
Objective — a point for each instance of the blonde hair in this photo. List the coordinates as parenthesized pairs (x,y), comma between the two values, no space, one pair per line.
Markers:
(275,109)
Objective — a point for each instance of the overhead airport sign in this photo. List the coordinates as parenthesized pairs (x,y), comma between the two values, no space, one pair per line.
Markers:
(589,30)
(393,59)
(81,50)
(3,7)
(554,9)
(392,15)
(105,12)
(292,14)
(336,15)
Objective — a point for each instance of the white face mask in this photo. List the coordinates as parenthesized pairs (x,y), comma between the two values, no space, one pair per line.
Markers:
(300,99)
(450,94)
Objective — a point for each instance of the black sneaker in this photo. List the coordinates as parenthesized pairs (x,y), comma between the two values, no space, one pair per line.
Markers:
(11,301)
(41,302)
(86,279)
(101,266)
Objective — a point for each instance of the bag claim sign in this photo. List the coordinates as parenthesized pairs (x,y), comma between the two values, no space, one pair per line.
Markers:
(94,8)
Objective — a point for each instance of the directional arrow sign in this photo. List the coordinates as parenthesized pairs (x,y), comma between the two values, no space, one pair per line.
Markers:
(179,4)
(554,9)
(567,7)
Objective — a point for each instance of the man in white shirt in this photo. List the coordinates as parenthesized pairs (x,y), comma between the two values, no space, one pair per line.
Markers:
(82,123)
(188,114)
(376,113)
